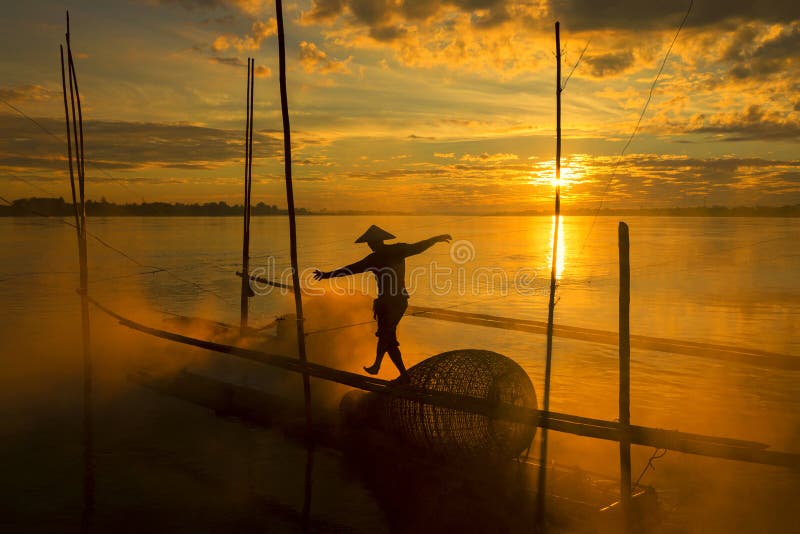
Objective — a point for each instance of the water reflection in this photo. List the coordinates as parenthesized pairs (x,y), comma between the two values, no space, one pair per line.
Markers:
(561,252)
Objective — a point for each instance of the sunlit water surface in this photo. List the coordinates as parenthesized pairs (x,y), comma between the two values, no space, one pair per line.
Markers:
(730,281)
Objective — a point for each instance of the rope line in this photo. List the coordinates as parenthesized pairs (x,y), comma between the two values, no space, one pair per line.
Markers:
(658,453)
(638,124)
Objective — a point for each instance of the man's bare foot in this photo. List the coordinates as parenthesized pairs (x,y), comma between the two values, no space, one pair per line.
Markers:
(403,379)
(372,369)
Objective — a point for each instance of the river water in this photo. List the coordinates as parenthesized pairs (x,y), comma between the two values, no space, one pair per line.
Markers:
(731,281)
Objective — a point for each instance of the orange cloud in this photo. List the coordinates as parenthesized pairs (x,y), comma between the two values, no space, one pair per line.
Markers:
(489,157)
(313,59)
(258,32)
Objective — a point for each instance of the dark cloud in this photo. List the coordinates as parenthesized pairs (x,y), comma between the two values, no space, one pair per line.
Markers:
(231,61)
(196,4)
(387,33)
(324,10)
(609,64)
(574,14)
(128,145)
(419,9)
(377,14)
(650,162)
(472,5)
(753,124)
(494,17)
(775,55)
(633,14)
(27,93)
(370,12)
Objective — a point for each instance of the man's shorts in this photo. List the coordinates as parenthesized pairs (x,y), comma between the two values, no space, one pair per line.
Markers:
(388,310)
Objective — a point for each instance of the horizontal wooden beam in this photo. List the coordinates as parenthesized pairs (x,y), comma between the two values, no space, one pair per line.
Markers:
(699,444)
(751,356)
(711,351)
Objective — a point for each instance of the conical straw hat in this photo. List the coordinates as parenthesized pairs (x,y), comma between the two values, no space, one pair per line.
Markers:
(374,233)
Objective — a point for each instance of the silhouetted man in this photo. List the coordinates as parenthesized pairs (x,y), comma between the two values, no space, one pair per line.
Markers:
(387,263)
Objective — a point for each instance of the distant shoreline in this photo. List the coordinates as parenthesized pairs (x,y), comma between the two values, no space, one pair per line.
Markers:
(57,207)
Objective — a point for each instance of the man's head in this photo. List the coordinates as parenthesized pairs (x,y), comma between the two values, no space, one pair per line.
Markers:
(374,237)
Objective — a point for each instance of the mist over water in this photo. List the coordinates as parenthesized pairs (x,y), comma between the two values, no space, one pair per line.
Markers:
(727,281)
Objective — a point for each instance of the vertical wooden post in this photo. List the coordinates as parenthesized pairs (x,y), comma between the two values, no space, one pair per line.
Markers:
(69,147)
(625,375)
(248,179)
(79,207)
(542,486)
(287,151)
(298,294)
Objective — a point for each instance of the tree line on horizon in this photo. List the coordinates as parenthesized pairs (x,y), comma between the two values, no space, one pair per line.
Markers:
(58,207)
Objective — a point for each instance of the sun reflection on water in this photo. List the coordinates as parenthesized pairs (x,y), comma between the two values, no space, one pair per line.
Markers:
(561,251)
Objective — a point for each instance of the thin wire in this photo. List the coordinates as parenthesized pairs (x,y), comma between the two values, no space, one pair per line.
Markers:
(638,124)
(575,66)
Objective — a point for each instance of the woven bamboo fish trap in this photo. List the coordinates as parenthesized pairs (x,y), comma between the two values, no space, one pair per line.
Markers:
(449,432)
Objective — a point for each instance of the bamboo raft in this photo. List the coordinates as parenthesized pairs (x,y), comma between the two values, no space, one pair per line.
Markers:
(732,449)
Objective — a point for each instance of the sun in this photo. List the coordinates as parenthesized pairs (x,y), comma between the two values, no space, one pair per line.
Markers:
(545,174)
(568,177)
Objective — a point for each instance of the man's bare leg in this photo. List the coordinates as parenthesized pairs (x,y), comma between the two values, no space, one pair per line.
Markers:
(397,360)
(375,367)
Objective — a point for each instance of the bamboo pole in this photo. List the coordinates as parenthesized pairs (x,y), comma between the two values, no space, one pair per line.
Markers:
(244,307)
(625,375)
(80,215)
(542,486)
(287,151)
(298,297)
(69,147)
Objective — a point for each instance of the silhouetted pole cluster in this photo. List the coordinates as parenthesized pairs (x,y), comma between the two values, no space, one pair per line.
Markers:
(74,125)
(248,182)
(625,375)
(542,487)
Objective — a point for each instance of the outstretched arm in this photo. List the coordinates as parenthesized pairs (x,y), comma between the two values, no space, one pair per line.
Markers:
(353,268)
(425,244)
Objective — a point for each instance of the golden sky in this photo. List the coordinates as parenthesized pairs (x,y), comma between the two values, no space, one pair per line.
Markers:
(411,105)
